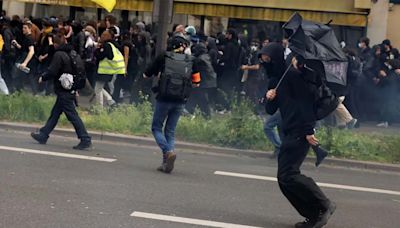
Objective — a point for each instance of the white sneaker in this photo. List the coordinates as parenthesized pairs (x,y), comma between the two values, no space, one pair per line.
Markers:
(352,123)
(383,124)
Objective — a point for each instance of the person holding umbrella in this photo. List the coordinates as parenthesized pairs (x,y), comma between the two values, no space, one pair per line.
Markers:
(295,100)
(297,97)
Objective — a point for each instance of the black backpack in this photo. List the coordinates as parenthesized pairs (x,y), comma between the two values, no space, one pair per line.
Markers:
(176,82)
(79,71)
(325,100)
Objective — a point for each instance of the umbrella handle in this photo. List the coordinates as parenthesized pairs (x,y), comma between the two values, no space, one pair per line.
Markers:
(283,76)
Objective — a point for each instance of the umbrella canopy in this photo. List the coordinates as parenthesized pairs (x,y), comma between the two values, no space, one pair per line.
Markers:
(106,4)
(315,41)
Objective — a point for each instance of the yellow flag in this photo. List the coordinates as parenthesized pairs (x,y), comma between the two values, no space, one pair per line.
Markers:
(106,4)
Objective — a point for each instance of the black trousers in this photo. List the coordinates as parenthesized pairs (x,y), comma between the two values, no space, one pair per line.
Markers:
(199,98)
(301,191)
(65,103)
(19,77)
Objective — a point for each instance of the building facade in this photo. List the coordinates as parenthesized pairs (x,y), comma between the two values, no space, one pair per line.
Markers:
(351,19)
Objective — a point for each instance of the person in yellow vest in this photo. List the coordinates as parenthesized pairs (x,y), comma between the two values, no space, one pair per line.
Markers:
(111,62)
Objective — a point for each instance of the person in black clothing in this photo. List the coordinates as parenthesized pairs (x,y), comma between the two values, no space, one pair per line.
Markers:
(295,100)
(231,59)
(354,72)
(141,88)
(365,50)
(386,48)
(131,57)
(388,90)
(66,99)
(213,52)
(201,96)
(78,38)
(255,79)
(45,52)
(369,105)
(26,52)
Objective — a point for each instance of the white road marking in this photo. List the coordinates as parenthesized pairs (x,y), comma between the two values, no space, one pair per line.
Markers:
(65,155)
(326,185)
(187,220)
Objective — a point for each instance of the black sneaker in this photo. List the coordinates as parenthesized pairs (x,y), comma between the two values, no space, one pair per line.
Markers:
(39,138)
(324,216)
(308,223)
(169,165)
(83,145)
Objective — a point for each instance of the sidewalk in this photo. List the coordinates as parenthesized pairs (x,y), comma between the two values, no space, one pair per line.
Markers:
(147,141)
(370,127)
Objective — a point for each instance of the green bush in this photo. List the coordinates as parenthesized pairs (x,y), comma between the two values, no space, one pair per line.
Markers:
(240,129)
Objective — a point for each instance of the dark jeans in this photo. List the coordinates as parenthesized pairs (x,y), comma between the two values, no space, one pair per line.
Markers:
(273,122)
(168,113)
(65,103)
(301,191)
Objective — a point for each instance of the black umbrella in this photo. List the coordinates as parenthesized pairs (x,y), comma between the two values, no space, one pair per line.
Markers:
(316,41)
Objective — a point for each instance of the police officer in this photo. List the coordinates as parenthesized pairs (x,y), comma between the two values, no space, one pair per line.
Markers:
(62,64)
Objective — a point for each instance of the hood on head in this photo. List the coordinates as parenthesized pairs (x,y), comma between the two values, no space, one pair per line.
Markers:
(199,49)
(275,51)
(212,43)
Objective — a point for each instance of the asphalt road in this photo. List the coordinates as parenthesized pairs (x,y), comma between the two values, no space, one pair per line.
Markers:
(40,188)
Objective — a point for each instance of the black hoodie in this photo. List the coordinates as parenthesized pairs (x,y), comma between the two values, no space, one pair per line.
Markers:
(295,100)
(204,66)
(213,52)
(60,63)
(276,67)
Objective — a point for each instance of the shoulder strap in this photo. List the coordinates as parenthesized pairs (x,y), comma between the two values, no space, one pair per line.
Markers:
(73,62)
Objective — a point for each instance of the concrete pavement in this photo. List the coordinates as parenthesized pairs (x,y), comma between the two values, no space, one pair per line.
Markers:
(46,190)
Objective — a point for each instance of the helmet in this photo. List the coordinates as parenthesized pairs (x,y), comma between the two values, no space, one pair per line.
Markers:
(178,41)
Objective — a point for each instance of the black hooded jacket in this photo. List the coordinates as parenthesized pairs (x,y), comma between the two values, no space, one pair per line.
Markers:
(276,67)
(204,66)
(295,100)
(213,52)
(61,63)
(231,57)
(373,66)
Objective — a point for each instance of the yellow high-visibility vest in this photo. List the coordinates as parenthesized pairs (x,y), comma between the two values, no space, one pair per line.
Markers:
(1,43)
(114,66)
